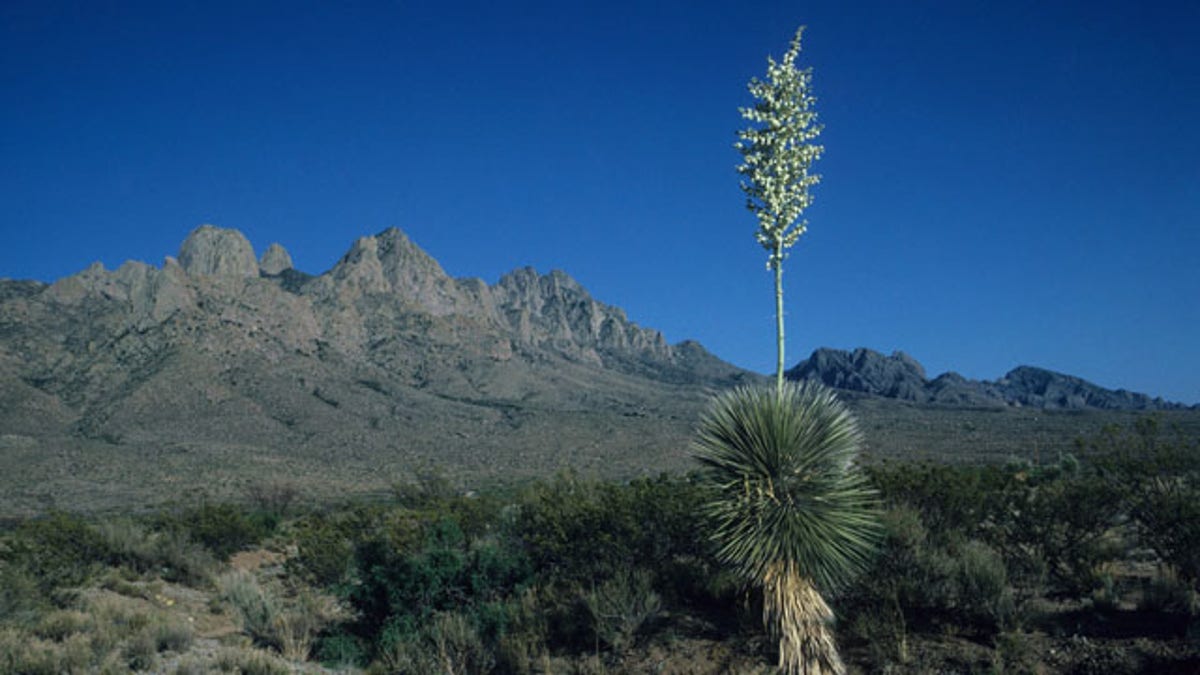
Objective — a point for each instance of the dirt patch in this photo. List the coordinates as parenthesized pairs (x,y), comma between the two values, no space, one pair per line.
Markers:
(252,561)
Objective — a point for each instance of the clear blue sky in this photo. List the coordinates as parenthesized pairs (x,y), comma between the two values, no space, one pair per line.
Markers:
(1004,182)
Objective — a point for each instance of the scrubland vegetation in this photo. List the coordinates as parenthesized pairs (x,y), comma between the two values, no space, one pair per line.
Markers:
(1088,564)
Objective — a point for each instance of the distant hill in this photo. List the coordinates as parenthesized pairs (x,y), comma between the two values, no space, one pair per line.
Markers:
(900,376)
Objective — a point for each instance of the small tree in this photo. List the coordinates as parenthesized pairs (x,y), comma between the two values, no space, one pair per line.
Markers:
(777,154)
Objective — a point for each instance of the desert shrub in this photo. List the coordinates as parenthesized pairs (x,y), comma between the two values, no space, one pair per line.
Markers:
(128,543)
(65,550)
(980,586)
(1051,522)
(140,651)
(249,662)
(589,530)
(443,573)
(223,529)
(1044,518)
(523,641)
(182,560)
(1167,511)
(324,551)
(190,665)
(876,608)
(289,625)
(57,551)
(1141,452)
(1159,480)
(436,551)
(1166,592)
(429,490)
(274,497)
(172,635)
(917,579)
(1015,654)
(170,553)
(449,643)
(20,598)
(60,624)
(306,614)
(115,619)
(339,650)
(403,653)
(950,499)
(257,609)
(621,607)
(28,655)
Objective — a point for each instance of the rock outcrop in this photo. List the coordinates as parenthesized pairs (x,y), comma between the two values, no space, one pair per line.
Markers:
(218,252)
(275,260)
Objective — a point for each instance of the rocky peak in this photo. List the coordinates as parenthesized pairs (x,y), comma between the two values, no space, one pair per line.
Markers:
(391,263)
(555,309)
(526,289)
(218,252)
(864,370)
(414,274)
(1027,385)
(275,260)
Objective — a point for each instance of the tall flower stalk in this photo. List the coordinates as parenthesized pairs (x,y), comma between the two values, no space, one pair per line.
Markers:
(777,158)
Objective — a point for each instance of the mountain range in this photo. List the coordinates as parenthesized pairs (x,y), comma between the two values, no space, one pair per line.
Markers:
(900,376)
(219,367)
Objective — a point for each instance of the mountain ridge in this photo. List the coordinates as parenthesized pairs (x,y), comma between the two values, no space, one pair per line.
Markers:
(199,367)
(899,376)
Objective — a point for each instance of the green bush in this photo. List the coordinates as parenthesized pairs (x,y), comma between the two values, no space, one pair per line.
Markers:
(223,529)
(951,499)
(981,593)
(60,550)
(448,643)
(1168,515)
(20,599)
(1046,519)
(586,530)
(182,560)
(172,635)
(917,579)
(399,590)
(324,552)
(340,650)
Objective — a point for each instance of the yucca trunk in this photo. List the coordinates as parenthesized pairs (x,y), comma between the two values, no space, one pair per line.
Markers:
(795,613)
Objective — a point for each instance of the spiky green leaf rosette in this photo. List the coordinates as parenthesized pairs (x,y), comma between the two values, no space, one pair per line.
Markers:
(786,489)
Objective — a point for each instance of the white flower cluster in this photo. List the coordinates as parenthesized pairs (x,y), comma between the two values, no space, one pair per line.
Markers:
(778,153)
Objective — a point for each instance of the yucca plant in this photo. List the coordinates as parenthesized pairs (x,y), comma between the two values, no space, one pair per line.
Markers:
(790,510)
